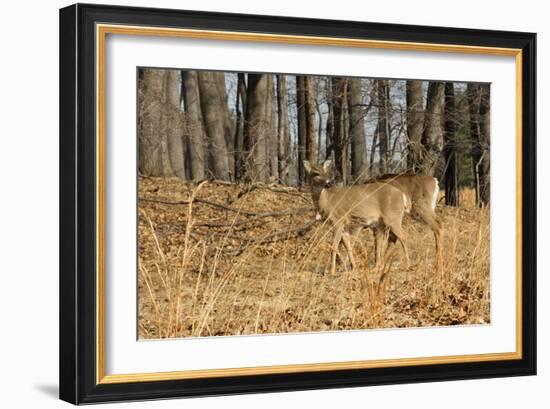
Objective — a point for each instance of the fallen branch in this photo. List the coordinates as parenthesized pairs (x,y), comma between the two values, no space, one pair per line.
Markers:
(269,238)
(221,182)
(222,206)
(219,225)
(273,188)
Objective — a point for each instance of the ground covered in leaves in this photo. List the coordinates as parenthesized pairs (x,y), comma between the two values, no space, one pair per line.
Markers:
(226,259)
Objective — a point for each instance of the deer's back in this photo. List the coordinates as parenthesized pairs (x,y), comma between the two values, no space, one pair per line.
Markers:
(419,188)
(365,204)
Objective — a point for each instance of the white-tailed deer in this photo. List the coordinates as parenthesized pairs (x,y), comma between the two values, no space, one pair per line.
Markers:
(378,206)
(423,192)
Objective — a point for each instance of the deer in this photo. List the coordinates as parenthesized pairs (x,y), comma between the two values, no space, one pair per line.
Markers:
(422,192)
(378,206)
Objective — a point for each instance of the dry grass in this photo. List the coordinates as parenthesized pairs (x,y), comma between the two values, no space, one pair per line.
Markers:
(204,271)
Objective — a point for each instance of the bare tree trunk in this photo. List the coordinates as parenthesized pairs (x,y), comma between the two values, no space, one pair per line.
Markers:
(339,98)
(432,141)
(272,140)
(345,138)
(256,128)
(213,114)
(373,151)
(241,143)
(415,124)
(357,130)
(382,93)
(484,142)
(194,127)
(238,137)
(318,102)
(302,126)
(450,148)
(311,133)
(154,159)
(473,94)
(478,101)
(330,120)
(176,145)
(228,124)
(283,131)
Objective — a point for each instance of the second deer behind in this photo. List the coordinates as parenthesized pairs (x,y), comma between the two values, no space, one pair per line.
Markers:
(377,205)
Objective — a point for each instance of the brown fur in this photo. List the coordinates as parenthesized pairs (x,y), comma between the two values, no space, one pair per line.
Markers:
(421,190)
(378,206)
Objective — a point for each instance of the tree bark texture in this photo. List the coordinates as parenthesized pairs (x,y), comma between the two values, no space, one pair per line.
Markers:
(415,124)
(174,123)
(382,93)
(357,130)
(283,131)
(478,101)
(339,106)
(272,140)
(194,130)
(213,116)
(257,128)
(432,137)
(154,158)
(302,125)
(228,124)
(450,148)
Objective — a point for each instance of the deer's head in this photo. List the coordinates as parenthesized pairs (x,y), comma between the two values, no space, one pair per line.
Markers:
(319,176)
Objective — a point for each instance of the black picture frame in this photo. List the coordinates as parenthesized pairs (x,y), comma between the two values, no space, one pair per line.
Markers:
(78,262)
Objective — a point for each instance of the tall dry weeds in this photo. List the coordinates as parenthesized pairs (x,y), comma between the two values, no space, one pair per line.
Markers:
(199,280)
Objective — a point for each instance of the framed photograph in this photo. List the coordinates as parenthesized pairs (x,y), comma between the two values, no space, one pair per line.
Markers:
(257,203)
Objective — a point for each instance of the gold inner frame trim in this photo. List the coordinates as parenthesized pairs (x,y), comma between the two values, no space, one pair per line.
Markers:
(101,32)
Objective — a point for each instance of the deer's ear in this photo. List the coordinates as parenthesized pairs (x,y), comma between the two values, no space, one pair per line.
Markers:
(307,166)
(327,165)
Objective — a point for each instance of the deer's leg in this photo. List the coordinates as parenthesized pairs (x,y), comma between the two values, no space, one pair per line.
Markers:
(375,246)
(340,257)
(392,238)
(379,234)
(396,233)
(349,248)
(335,244)
(429,217)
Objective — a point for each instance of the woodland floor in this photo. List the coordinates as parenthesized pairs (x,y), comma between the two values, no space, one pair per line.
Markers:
(250,260)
